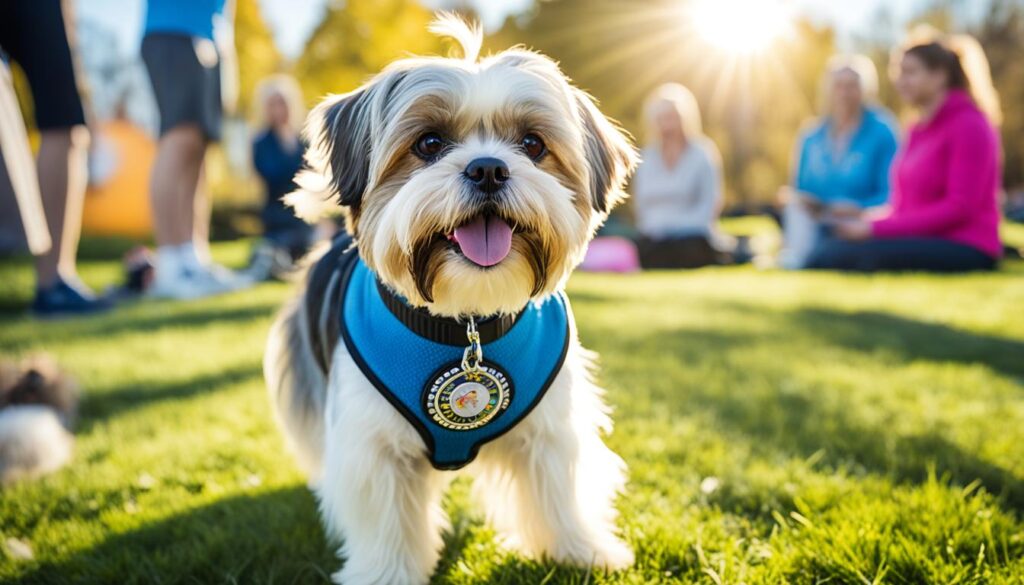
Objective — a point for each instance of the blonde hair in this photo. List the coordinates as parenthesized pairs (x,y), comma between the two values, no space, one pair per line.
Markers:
(859,65)
(288,89)
(965,62)
(681,101)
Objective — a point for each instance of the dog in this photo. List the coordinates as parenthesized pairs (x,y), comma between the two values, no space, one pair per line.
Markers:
(38,406)
(436,335)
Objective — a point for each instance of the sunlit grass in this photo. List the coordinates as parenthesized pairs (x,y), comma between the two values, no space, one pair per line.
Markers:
(779,427)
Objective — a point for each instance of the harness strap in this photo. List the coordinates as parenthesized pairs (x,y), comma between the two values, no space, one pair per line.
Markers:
(324,287)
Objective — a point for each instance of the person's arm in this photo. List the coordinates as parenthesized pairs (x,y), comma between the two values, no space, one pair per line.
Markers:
(801,191)
(709,197)
(259,157)
(20,168)
(973,155)
(882,167)
(638,187)
(798,172)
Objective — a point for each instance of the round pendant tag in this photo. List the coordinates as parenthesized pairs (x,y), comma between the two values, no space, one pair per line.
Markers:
(462,401)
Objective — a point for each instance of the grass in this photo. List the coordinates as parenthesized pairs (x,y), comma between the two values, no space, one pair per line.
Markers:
(779,427)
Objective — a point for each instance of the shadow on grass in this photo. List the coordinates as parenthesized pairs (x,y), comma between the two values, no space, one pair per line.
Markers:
(273,537)
(910,339)
(137,318)
(801,426)
(116,401)
(803,420)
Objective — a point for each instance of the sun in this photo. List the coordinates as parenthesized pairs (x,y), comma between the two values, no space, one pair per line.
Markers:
(743,27)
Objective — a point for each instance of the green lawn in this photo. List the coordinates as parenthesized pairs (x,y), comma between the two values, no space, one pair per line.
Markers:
(779,427)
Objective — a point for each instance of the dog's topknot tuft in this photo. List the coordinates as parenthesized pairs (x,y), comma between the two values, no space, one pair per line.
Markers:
(469,35)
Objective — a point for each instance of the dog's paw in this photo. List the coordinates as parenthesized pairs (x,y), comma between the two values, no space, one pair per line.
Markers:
(610,554)
(613,556)
(382,573)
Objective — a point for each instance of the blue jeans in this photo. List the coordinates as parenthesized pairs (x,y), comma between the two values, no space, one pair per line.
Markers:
(899,254)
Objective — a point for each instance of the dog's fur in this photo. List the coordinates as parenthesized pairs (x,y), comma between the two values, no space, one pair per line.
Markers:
(38,404)
(548,485)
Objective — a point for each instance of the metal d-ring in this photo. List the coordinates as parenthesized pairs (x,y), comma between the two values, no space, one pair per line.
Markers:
(474,353)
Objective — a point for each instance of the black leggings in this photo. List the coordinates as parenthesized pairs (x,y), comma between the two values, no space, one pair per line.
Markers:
(900,254)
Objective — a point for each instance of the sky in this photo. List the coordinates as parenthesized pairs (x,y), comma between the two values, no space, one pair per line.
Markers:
(292,21)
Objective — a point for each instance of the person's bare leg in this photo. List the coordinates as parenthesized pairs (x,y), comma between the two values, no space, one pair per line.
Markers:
(63,176)
(173,184)
(201,209)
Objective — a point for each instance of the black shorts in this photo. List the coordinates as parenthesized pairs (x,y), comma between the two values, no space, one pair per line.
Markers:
(33,34)
(185,73)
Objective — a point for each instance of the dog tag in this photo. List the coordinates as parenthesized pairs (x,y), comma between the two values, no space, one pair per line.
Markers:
(463,400)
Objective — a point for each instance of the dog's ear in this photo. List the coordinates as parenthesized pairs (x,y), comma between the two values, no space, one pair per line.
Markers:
(338,131)
(610,154)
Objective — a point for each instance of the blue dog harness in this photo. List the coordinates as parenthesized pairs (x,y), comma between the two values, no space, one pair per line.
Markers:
(426,367)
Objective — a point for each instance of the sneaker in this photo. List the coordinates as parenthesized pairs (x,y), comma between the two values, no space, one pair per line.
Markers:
(187,283)
(65,299)
(179,283)
(269,262)
(225,278)
(214,275)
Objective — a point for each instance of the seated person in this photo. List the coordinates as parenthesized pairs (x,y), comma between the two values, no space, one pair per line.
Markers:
(677,189)
(945,213)
(277,153)
(843,161)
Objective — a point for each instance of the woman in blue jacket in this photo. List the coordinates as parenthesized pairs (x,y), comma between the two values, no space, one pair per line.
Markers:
(842,163)
(277,153)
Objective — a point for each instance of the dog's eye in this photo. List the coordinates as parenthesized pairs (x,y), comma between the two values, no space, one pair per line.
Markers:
(533,146)
(430,145)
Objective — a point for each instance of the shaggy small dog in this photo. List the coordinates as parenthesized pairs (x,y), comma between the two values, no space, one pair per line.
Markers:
(38,404)
(437,335)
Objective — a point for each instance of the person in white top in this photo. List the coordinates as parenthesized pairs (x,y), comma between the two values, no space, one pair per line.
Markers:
(677,188)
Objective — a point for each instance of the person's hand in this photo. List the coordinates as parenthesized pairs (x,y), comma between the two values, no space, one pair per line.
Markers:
(785,194)
(845,210)
(853,229)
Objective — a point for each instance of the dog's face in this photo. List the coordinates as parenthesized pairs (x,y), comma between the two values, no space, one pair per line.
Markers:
(471,187)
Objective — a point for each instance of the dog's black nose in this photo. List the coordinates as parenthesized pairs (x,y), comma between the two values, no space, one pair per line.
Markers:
(488,174)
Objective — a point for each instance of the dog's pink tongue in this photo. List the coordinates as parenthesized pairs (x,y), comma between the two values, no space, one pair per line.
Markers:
(486,240)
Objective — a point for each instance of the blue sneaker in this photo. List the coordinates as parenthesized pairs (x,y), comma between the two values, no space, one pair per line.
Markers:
(64,300)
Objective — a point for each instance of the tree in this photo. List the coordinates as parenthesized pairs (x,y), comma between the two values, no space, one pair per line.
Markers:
(258,56)
(1001,33)
(359,38)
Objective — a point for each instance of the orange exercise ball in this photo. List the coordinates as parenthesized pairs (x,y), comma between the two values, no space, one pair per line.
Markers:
(117,201)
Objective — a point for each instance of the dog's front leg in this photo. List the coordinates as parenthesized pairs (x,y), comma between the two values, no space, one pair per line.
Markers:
(549,485)
(378,492)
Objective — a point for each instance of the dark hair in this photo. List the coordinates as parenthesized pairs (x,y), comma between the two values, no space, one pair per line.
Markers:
(938,57)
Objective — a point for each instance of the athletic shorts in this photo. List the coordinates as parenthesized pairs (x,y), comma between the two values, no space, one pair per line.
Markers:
(185,73)
(33,34)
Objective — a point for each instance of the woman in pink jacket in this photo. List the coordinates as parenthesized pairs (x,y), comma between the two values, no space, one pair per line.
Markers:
(944,213)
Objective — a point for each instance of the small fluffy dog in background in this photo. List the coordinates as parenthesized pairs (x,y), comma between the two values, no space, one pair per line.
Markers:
(437,335)
(38,404)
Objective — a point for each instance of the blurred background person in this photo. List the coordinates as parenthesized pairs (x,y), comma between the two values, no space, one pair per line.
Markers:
(677,189)
(842,162)
(185,66)
(37,35)
(277,152)
(945,212)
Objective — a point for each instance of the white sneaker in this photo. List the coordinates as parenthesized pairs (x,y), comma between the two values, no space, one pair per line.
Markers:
(180,275)
(224,278)
(217,276)
(184,284)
